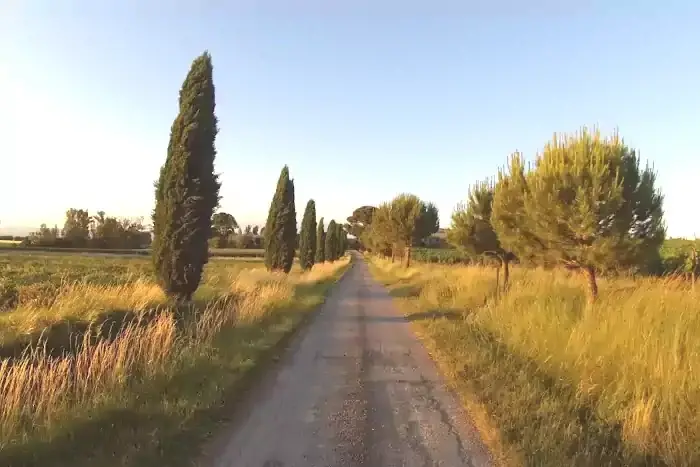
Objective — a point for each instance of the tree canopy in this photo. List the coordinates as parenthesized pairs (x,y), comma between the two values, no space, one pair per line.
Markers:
(187,192)
(307,241)
(281,227)
(586,204)
(320,242)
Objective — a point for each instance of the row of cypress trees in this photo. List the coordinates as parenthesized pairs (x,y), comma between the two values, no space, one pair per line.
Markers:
(187,194)
(315,244)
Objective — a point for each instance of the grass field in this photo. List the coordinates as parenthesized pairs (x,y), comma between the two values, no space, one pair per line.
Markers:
(552,382)
(224,252)
(9,243)
(116,375)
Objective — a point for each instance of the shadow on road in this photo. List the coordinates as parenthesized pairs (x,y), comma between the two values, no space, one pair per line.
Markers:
(450,315)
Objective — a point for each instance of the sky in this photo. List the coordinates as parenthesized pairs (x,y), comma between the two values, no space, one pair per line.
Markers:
(363,100)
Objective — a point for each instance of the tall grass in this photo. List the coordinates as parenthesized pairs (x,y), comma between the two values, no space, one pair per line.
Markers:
(47,400)
(562,382)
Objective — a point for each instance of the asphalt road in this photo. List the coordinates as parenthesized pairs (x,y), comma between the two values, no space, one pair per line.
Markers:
(355,389)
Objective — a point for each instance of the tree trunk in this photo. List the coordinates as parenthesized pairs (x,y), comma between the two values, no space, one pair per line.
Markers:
(506,273)
(408,256)
(498,281)
(592,284)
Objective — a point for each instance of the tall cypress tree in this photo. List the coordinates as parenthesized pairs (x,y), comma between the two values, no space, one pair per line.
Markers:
(281,226)
(332,241)
(320,243)
(187,192)
(307,242)
(339,248)
(343,241)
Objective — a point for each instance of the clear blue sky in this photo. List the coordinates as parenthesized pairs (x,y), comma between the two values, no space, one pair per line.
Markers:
(362,102)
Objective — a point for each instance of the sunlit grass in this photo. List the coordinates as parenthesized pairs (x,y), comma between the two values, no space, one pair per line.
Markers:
(138,372)
(564,383)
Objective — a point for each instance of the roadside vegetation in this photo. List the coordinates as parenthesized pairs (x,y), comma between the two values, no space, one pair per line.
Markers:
(560,335)
(553,381)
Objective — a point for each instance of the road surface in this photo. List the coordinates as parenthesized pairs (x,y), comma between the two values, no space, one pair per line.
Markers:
(355,389)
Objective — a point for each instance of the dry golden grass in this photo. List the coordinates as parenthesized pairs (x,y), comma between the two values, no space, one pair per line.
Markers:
(564,383)
(46,399)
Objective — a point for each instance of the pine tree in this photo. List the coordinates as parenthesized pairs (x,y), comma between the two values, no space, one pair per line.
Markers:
(331,246)
(472,231)
(586,205)
(281,226)
(320,243)
(405,214)
(307,241)
(187,191)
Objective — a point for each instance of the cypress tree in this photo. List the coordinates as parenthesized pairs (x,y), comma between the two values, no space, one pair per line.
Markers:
(331,241)
(187,192)
(320,243)
(281,226)
(307,242)
(340,248)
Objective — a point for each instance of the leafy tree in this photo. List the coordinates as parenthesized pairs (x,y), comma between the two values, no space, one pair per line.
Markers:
(427,224)
(472,231)
(360,220)
(256,230)
(187,192)
(331,246)
(509,218)
(586,205)
(223,226)
(379,236)
(405,214)
(281,227)
(76,228)
(307,242)
(320,243)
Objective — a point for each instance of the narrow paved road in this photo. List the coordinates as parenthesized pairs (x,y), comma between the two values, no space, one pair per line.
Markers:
(356,389)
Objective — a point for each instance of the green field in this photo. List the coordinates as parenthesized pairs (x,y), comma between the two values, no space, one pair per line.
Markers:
(225,252)
(97,367)
(675,254)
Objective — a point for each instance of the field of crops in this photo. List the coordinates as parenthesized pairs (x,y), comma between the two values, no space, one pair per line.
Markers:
(96,364)
(675,256)
(439,255)
(13,245)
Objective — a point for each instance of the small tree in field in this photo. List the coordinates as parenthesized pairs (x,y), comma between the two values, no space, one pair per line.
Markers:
(281,226)
(588,206)
(508,216)
(331,246)
(405,213)
(307,243)
(359,221)
(379,236)
(187,191)
(472,231)
(427,224)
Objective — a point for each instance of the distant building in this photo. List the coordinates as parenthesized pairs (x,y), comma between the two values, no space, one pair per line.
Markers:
(437,240)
